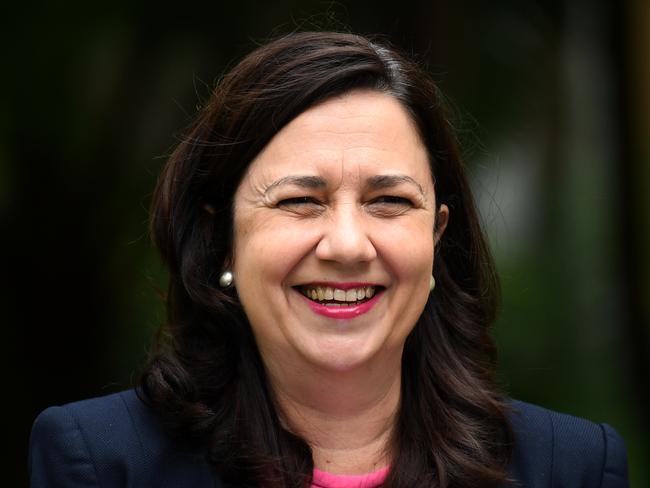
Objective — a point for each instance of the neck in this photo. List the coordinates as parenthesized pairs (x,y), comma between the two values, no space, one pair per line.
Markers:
(346,417)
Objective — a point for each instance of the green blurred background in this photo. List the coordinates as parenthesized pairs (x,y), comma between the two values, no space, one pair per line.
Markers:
(552,104)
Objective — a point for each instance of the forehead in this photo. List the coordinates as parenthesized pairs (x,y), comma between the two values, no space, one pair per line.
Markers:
(362,133)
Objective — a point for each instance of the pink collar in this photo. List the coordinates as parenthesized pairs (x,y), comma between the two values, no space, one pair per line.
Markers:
(322,479)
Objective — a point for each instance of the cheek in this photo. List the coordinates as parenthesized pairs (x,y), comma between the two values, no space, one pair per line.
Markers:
(266,250)
(408,249)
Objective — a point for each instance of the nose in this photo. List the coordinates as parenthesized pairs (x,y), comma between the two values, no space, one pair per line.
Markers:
(346,238)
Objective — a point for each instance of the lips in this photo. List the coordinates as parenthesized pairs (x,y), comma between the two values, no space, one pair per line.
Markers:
(341,300)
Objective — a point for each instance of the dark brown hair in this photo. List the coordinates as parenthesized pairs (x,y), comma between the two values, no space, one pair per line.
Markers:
(208,381)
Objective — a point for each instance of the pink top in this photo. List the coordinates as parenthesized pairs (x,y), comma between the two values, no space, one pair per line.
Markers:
(321,479)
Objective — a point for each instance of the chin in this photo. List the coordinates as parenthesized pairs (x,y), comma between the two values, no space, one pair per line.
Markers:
(339,364)
(342,358)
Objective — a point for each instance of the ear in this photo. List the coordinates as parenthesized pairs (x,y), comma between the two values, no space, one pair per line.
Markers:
(442,218)
(229,262)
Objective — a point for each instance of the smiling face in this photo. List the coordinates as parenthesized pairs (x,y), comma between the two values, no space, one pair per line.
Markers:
(334,235)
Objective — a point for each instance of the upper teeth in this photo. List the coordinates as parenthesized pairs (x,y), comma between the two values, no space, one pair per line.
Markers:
(328,293)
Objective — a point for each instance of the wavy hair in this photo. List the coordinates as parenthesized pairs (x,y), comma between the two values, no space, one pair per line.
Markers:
(205,376)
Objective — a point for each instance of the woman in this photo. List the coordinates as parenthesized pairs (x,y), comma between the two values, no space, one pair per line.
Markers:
(330,302)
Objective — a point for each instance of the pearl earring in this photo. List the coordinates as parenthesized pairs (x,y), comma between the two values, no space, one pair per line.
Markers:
(226,279)
(432,283)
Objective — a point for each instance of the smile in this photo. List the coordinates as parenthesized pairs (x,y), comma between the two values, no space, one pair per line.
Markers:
(334,297)
(344,301)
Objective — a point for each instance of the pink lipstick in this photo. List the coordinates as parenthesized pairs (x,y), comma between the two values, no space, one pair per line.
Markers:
(342,310)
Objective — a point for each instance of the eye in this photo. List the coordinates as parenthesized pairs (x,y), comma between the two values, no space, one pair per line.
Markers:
(304,206)
(389,205)
(393,200)
(298,201)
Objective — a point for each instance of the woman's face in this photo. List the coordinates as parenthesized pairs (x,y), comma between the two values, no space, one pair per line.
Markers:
(334,235)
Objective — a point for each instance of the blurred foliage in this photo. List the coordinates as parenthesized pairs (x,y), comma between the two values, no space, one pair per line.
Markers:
(551,103)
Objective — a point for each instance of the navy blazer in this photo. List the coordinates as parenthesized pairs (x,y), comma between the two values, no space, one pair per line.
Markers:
(116,441)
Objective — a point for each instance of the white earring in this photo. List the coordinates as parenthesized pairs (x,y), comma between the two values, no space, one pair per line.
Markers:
(432,283)
(226,279)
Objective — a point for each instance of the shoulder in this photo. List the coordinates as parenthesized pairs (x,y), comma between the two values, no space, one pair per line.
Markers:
(114,440)
(556,449)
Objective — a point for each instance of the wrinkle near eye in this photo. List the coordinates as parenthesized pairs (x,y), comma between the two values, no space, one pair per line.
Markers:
(251,192)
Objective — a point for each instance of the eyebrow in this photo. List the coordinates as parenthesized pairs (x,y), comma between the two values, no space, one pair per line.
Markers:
(377,182)
(311,182)
(380,182)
